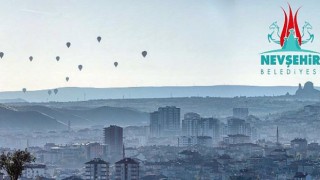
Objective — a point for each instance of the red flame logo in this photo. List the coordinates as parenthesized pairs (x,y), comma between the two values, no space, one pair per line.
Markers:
(290,23)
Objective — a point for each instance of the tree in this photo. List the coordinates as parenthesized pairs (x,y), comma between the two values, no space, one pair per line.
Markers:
(13,163)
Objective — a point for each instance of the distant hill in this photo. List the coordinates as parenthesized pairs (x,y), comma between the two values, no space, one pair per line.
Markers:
(29,116)
(18,100)
(58,114)
(111,115)
(301,122)
(80,94)
(12,118)
(125,112)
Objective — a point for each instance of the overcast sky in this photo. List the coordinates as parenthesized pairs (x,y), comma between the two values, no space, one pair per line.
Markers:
(205,42)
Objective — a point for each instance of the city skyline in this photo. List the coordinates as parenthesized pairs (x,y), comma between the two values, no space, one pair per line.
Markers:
(159,89)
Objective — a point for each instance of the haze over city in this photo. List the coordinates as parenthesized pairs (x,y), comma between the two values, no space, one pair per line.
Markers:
(159,90)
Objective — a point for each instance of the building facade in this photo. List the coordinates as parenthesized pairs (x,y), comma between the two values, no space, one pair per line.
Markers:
(236,126)
(155,125)
(241,113)
(97,169)
(190,124)
(127,169)
(209,127)
(96,150)
(33,171)
(165,121)
(113,138)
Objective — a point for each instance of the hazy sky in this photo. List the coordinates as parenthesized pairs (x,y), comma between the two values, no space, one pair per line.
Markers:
(189,42)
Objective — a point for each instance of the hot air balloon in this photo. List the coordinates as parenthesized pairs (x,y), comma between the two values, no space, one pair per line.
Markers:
(67,79)
(55,91)
(99,38)
(68,44)
(1,55)
(80,67)
(115,64)
(30,58)
(57,58)
(144,53)
(24,90)
(49,92)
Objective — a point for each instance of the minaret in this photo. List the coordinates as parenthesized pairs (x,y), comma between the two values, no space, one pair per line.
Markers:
(123,152)
(277,135)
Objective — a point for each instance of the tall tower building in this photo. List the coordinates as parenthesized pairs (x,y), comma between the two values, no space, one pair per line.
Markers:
(236,126)
(165,121)
(97,169)
(113,137)
(169,119)
(190,124)
(241,113)
(127,169)
(155,126)
(209,127)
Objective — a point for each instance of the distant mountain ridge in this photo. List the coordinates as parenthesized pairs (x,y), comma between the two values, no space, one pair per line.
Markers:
(12,118)
(18,100)
(40,117)
(79,94)
(36,110)
(106,115)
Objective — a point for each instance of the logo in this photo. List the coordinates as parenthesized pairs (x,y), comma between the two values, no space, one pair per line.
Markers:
(290,53)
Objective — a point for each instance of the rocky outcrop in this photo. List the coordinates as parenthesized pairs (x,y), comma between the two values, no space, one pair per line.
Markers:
(307,91)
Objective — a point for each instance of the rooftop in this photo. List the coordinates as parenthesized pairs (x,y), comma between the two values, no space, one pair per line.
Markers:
(127,161)
(97,161)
